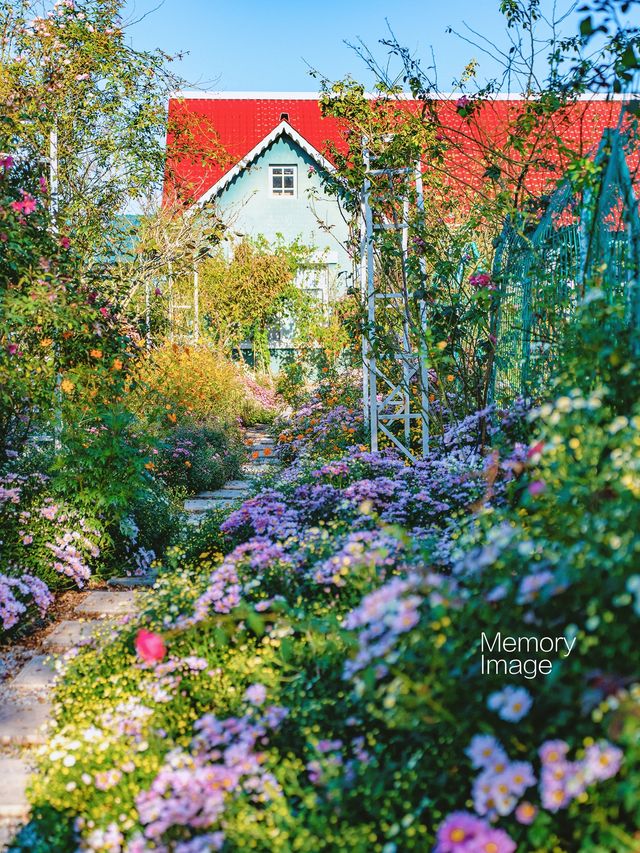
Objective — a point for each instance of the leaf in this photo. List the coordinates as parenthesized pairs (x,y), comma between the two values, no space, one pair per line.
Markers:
(586,27)
(628,58)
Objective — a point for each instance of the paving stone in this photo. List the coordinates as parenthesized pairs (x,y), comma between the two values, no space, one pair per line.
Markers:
(35,674)
(13,782)
(70,632)
(203,504)
(109,603)
(258,466)
(133,582)
(221,494)
(238,485)
(22,718)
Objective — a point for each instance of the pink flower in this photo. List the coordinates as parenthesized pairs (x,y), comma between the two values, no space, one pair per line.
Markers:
(457,830)
(535,449)
(491,841)
(43,184)
(537,487)
(553,751)
(462,102)
(65,242)
(255,694)
(6,162)
(149,646)
(482,279)
(26,206)
(12,349)
(158,292)
(526,813)
(104,311)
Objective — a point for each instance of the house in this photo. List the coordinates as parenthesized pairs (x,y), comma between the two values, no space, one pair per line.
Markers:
(260,157)
(267,177)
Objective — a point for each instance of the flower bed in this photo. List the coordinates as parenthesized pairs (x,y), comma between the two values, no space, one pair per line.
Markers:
(314,681)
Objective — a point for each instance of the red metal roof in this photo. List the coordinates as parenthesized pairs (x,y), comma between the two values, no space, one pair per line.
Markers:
(209,135)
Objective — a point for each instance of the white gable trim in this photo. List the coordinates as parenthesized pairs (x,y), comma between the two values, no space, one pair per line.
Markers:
(283,129)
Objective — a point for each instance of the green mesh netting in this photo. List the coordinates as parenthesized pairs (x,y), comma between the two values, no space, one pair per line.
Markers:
(587,235)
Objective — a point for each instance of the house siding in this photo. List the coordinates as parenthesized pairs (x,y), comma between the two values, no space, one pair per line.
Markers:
(248,208)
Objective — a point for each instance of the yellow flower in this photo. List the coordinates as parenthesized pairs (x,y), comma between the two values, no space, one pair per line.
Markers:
(96,353)
(67,386)
(117,364)
(46,342)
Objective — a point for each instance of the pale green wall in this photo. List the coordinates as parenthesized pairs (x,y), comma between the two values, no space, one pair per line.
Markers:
(248,208)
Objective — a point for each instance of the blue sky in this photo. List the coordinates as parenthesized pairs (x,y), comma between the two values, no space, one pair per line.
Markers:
(260,46)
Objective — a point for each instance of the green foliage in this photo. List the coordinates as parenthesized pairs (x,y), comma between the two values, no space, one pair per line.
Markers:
(243,297)
(199,458)
(75,73)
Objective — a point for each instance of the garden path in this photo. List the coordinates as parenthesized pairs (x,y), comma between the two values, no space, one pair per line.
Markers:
(25,701)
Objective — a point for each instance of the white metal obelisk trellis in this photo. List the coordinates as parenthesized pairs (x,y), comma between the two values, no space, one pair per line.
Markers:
(387,395)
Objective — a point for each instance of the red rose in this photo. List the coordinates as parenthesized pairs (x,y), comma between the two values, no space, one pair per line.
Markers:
(149,646)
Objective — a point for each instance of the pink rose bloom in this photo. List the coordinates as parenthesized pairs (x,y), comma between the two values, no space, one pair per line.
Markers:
(149,646)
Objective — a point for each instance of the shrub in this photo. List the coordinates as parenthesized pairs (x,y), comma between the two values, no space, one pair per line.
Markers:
(178,384)
(197,458)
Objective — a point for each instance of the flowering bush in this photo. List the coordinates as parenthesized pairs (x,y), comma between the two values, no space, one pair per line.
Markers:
(318,674)
(195,459)
(327,424)
(181,384)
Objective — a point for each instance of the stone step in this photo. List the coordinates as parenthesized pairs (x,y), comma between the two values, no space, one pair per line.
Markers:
(204,504)
(133,582)
(108,603)
(71,632)
(256,467)
(238,485)
(36,674)
(221,494)
(14,773)
(22,718)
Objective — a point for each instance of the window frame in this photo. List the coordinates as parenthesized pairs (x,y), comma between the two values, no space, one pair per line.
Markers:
(294,174)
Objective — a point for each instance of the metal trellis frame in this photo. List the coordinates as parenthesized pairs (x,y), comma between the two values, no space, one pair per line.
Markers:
(389,400)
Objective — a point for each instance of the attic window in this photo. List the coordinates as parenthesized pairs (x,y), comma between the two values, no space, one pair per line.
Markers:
(284,116)
(283,180)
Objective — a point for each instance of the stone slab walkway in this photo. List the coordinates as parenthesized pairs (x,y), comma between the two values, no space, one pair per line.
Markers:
(25,705)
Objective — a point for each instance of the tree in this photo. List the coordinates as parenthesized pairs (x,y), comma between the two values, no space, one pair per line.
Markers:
(242,296)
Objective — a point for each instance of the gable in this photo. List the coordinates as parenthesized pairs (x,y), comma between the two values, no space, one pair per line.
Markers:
(284,139)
